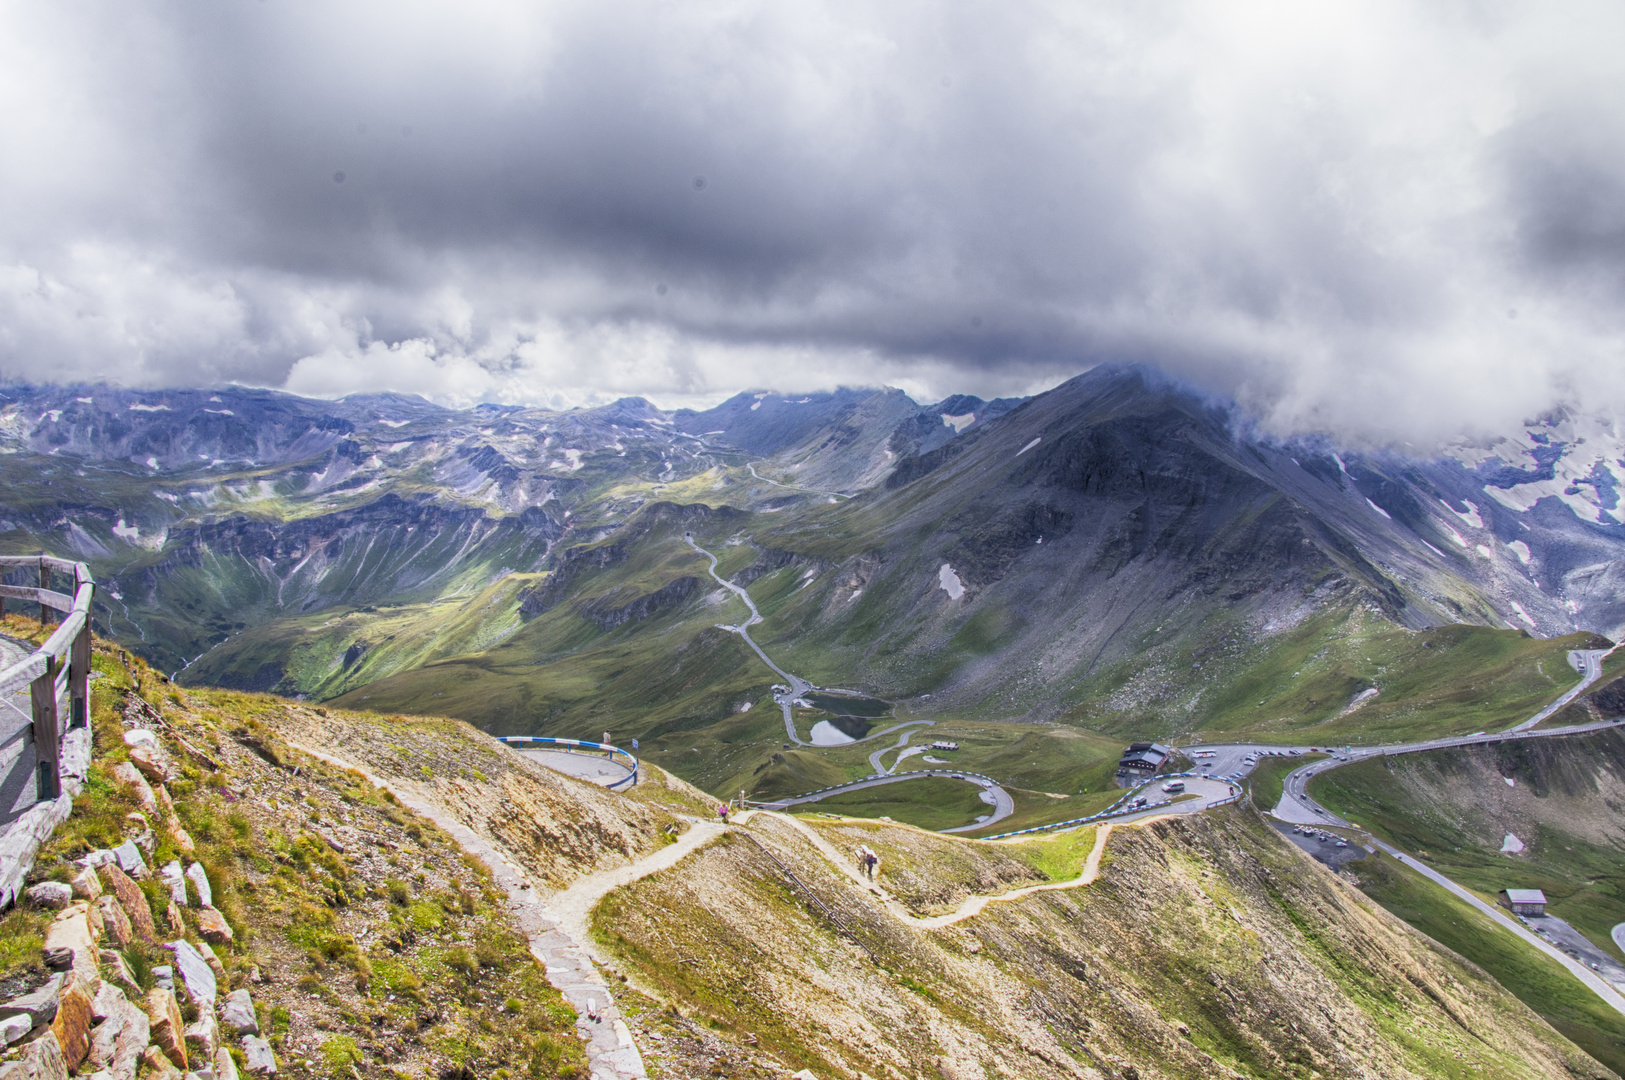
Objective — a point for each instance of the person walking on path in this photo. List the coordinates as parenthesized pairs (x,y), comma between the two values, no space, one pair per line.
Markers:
(722,812)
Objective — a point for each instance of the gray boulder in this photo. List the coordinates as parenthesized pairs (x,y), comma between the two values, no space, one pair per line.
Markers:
(237,1013)
(40,1006)
(200,882)
(51,894)
(261,1062)
(196,975)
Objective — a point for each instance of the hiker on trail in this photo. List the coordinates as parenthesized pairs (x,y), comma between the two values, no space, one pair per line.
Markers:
(874,865)
(722,812)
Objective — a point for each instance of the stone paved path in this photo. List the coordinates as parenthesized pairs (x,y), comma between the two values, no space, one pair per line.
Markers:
(611,1052)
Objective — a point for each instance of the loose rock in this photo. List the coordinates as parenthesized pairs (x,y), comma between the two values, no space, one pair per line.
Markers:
(86,885)
(213,961)
(126,774)
(212,926)
(174,879)
(115,967)
(129,859)
(157,1066)
(202,1036)
(40,1060)
(74,1018)
(195,974)
(13,1028)
(261,1062)
(115,921)
(168,1030)
(225,1068)
(132,899)
(200,882)
(237,1013)
(151,760)
(73,932)
(50,894)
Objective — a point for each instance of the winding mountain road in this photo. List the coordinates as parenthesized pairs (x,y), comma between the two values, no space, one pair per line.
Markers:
(1299,808)
(1003,805)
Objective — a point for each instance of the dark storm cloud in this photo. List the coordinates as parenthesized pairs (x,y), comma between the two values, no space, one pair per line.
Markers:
(1351,216)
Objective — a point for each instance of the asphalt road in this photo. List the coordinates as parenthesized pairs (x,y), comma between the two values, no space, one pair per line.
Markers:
(1588,662)
(1003,805)
(596,768)
(1297,807)
(799,687)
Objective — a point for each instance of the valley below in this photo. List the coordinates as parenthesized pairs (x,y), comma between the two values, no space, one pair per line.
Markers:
(925,632)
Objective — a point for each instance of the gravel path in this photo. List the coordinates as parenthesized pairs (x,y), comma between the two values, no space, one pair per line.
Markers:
(611,1052)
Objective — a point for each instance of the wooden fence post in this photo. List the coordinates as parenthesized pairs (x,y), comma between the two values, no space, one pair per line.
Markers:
(79,678)
(46,738)
(44,583)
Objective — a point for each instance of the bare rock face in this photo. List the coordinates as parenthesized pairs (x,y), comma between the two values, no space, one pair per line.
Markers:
(237,1013)
(132,899)
(50,894)
(213,927)
(168,1031)
(74,1018)
(225,1067)
(115,921)
(40,1060)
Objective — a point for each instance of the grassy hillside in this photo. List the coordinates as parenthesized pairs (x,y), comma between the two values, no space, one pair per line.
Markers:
(1536,979)
(1454,808)
(372,945)
(1207,947)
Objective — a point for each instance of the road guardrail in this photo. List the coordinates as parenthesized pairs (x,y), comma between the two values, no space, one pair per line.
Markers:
(582,744)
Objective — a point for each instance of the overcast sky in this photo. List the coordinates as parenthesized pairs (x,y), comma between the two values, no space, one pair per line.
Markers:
(1380,220)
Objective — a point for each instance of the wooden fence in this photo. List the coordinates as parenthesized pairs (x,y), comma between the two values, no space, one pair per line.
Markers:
(57,669)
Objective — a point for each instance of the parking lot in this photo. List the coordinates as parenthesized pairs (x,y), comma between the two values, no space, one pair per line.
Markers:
(1326,846)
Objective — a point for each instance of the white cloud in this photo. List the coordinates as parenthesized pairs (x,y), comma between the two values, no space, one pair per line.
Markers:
(1388,220)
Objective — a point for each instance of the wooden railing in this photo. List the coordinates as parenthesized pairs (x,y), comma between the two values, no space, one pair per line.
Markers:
(62,663)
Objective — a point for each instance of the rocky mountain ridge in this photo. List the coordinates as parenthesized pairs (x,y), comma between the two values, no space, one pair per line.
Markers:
(242,533)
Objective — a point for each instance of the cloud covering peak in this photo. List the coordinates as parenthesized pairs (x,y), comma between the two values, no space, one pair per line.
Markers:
(1382,220)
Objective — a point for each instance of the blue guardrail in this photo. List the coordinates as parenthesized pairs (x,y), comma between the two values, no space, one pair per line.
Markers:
(613,752)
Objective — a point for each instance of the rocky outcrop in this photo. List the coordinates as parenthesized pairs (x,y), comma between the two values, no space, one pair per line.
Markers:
(603,612)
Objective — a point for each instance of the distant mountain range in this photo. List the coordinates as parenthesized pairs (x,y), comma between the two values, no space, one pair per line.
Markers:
(1022,558)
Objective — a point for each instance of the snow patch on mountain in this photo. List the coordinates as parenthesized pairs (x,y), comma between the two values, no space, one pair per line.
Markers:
(1471,516)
